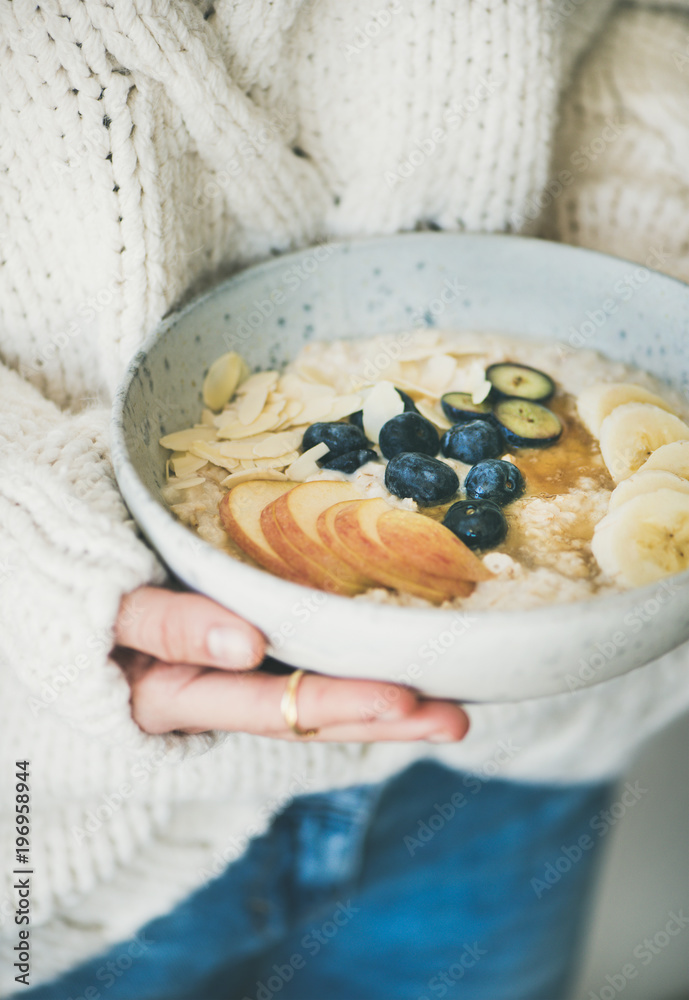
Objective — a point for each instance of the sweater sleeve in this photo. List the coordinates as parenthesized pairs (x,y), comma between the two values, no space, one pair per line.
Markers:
(69,553)
(622,148)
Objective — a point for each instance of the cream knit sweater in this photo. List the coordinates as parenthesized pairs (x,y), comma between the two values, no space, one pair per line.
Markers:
(149,146)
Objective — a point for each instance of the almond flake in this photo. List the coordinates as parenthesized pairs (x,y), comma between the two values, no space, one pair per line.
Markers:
(207,417)
(268,420)
(213,454)
(269,379)
(305,466)
(382,403)
(278,444)
(438,373)
(316,409)
(186,484)
(245,475)
(291,413)
(481,391)
(297,388)
(342,406)
(186,465)
(223,377)
(182,440)
(251,404)
(270,463)
(312,373)
(432,412)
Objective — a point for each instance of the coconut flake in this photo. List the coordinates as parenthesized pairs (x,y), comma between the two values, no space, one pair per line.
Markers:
(305,465)
(381,404)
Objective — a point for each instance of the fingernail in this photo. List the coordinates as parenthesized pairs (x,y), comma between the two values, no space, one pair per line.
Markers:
(231,647)
(442,737)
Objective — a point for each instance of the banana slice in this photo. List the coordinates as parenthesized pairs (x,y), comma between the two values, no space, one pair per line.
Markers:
(598,401)
(670,458)
(646,539)
(632,432)
(647,482)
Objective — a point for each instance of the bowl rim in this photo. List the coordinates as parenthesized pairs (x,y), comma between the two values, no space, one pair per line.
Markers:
(136,492)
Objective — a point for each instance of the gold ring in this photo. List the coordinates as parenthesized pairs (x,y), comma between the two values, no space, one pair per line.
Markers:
(288,706)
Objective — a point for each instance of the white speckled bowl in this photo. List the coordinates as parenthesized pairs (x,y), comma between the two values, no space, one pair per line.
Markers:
(517,286)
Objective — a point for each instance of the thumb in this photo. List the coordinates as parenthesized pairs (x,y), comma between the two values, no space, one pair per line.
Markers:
(187,628)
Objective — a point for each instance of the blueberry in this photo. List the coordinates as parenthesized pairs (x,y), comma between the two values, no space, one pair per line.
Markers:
(472,442)
(408,432)
(426,480)
(350,461)
(357,418)
(340,438)
(480,524)
(494,480)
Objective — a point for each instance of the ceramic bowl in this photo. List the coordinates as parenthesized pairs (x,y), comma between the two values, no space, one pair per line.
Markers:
(518,286)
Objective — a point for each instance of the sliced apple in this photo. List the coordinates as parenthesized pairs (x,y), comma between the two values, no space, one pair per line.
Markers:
(427,545)
(290,528)
(240,513)
(356,539)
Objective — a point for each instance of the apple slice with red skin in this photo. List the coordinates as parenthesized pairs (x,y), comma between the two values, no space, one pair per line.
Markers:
(290,527)
(240,514)
(356,538)
(426,545)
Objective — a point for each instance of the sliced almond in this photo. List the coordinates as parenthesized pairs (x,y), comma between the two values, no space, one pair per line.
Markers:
(270,463)
(268,420)
(186,465)
(305,466)
(212,454)
(381,404)
(297,388)
(182,440)
(432,412)
(187,483)
(437,374)
(278,444)
(291,414)
(316,409)
(207,417)
(244,475)
(268,378)
(312,373)
(342,406)
(481,391)
(223,377)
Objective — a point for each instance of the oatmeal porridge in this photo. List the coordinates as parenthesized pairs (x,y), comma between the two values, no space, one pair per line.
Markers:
(467,470)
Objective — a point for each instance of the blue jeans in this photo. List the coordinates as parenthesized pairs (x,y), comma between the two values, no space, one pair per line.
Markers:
(435,884)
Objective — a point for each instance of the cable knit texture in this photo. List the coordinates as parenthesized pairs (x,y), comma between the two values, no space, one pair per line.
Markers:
(148,147)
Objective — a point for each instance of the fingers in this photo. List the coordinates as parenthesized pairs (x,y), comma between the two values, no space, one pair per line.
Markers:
(169,697)
(187,628)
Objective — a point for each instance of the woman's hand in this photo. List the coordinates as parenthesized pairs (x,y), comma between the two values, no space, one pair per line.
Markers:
(189,663)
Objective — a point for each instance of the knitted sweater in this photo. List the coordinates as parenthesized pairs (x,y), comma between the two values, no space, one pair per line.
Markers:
(148,147)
